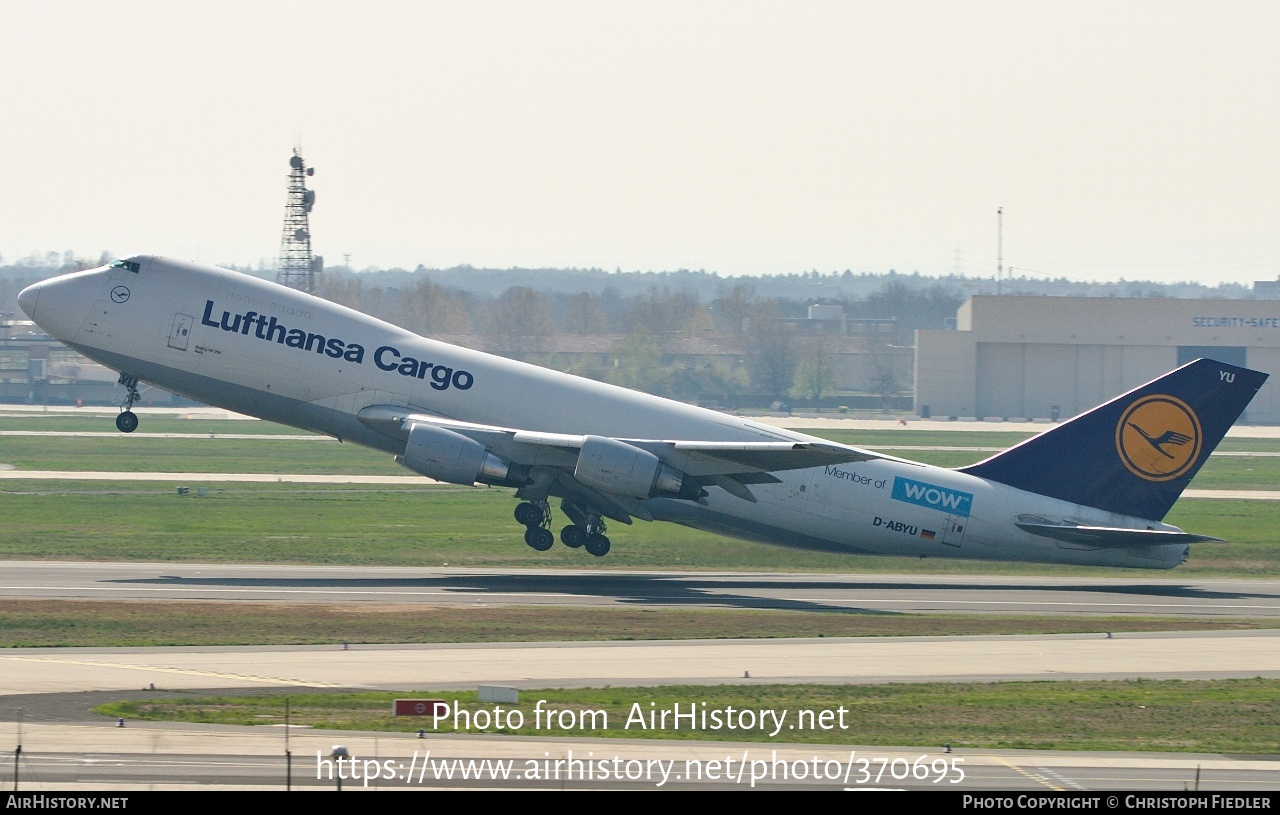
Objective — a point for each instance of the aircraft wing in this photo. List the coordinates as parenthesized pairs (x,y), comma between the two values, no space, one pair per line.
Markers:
(730,465)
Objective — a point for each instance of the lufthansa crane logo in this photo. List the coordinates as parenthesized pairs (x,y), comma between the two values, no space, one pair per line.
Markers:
(119,294)
(1158,438)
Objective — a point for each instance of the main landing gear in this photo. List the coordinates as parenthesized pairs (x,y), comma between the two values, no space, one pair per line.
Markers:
(589,535)
(596,543)
(127,421)
(536,516)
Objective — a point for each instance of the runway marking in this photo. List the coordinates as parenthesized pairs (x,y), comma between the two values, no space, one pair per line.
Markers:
(252,477)
(949,449)
(272,680)
(1241,495)
(1033,776)
(284,478)
(399,480)
(1190,605)
(423,592)
(90,434)
(134,759)
(1062,779)
(917,448)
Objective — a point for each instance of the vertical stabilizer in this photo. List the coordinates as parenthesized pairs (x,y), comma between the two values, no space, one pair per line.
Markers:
(1135,454)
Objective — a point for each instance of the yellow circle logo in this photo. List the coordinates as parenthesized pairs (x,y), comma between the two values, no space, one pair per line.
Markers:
(1158,438)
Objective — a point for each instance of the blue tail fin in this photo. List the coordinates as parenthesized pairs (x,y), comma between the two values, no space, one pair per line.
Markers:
(1137,453)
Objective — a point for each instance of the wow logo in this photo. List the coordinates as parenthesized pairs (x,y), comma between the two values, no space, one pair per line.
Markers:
(932,496)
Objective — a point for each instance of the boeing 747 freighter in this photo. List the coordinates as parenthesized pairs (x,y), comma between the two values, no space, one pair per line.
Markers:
(1090,491)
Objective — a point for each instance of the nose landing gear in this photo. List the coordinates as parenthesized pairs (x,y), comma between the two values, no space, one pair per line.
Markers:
(127,421)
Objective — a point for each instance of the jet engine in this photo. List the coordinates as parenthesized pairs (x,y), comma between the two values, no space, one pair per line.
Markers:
(448,456)
(616,467)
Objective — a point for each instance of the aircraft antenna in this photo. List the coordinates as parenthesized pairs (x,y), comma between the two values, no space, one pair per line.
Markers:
(298,269)
(999,247)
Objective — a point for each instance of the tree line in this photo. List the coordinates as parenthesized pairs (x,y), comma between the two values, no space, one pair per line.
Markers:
(639,320)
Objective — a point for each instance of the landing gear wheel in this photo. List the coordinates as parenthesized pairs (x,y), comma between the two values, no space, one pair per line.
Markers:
(573,536)
(529,514)
(539,539)
(598,545)
(127,422)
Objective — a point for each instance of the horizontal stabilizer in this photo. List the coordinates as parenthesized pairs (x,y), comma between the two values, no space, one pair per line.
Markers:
(1107,536)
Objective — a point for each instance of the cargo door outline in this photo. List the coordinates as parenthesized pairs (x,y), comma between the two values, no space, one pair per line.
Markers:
(953,530)
(798,491)
(180,331)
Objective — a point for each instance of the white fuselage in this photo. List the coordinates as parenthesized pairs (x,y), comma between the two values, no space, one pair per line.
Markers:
(235,341)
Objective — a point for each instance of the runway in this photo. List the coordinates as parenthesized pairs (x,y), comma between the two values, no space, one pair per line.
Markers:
(796,420)
(875,593)
(9,473)
(63,750)
(311,437)
(146,756)
(832,660)
(74,752)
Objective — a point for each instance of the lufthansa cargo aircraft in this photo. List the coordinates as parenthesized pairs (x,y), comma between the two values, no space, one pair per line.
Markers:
(1090,491)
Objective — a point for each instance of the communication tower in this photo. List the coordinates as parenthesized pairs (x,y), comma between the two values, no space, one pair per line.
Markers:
(999,247)
(298,269)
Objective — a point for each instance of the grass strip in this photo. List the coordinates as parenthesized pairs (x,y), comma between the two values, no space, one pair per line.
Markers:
(105,423)
(1239,716)
(109,624)
(465,527)
(140,453)
(859,438)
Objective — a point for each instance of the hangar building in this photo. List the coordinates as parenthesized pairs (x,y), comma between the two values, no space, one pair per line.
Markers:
(1054,357)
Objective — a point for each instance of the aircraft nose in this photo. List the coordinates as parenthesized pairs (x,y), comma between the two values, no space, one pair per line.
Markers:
(60,305)
(27,299)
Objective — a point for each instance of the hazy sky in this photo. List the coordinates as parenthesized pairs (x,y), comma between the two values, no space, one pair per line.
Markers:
(1123,139)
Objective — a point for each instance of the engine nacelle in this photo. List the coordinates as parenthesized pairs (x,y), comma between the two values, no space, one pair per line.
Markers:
(619,468)
(448,456)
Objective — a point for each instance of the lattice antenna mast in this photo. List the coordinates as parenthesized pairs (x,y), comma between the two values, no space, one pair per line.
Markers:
(298,269)
(999,247)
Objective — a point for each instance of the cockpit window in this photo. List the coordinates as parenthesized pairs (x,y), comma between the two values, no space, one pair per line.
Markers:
(127,264)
